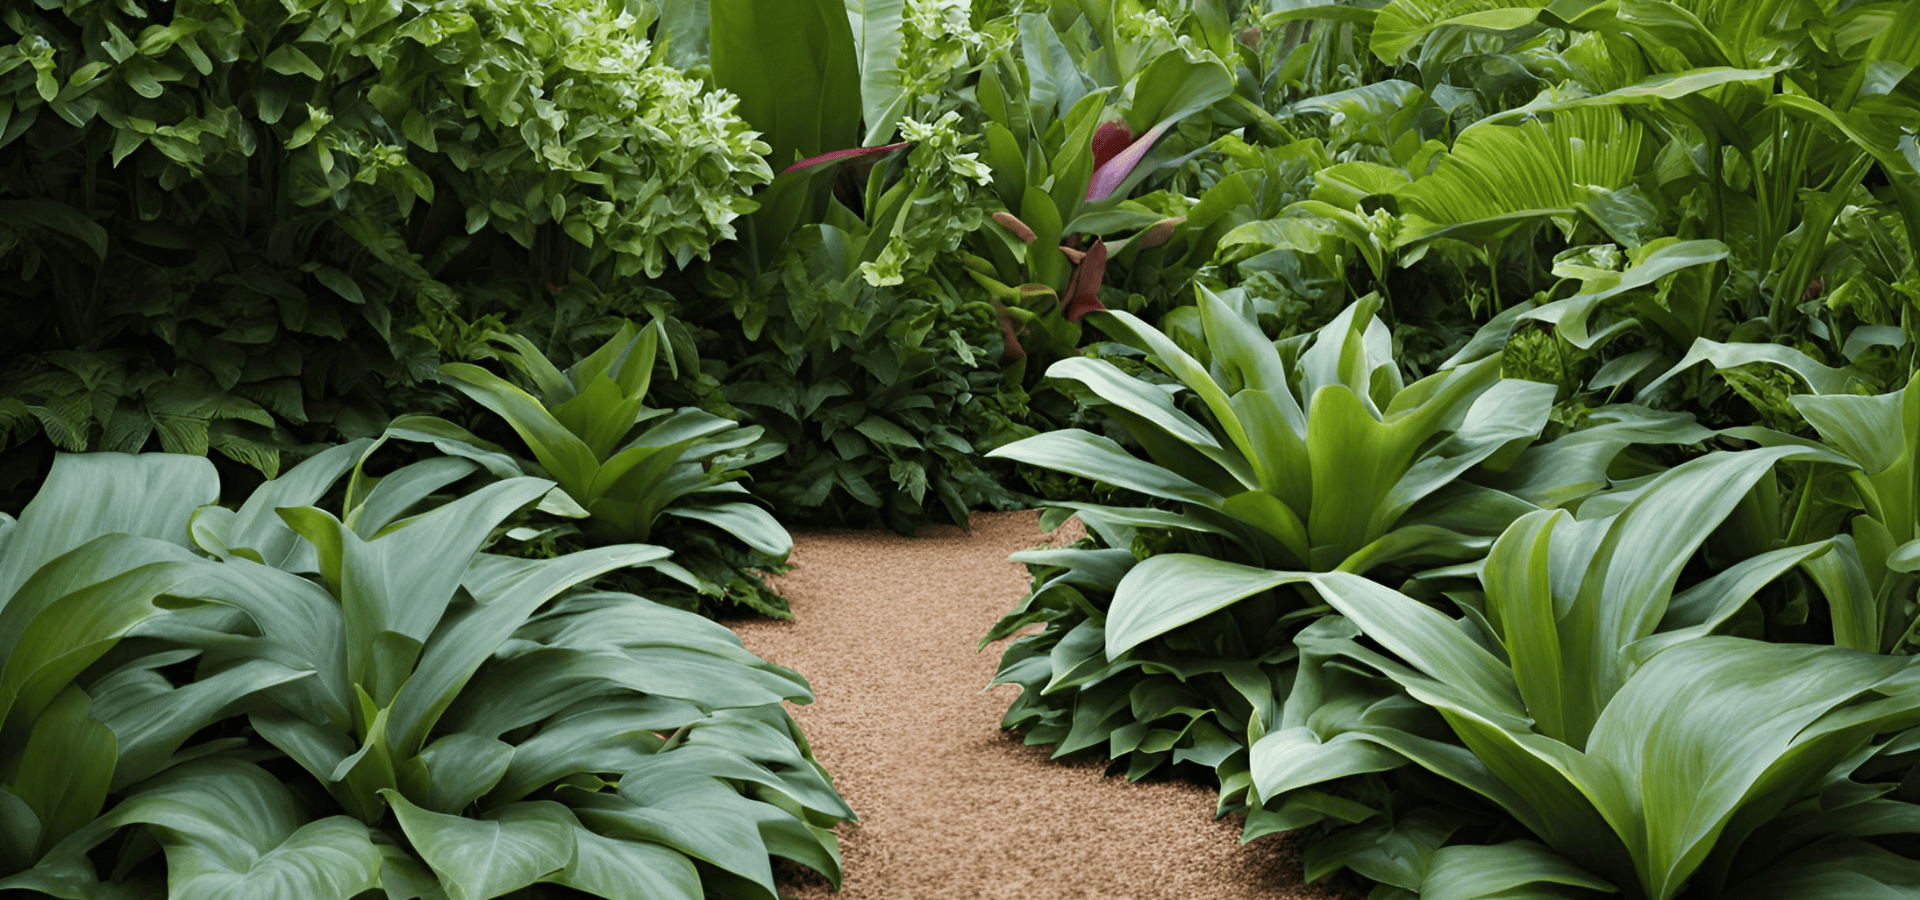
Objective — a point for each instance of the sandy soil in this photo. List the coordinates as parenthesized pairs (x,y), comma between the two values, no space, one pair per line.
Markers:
(951,807)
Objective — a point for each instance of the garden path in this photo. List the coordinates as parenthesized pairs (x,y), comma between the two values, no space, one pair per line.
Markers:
(951,807)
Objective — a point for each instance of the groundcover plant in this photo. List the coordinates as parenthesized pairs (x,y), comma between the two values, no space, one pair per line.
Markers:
(275,701)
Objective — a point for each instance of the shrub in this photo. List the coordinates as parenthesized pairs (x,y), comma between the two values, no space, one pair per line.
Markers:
(251,226)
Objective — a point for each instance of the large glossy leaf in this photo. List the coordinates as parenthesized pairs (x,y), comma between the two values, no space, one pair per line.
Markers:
(1091,456)
(877,39)
(1170,590)
(93,494)
(1520,605)
(628,870)
(75,609)
(1515,870)
(500,852)
(233,831)
(63,772)
(150,718)
(1822,378)
(1626,587)
(754,526)
(256,527)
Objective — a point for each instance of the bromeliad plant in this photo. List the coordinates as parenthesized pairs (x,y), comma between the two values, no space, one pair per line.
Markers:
(1306,454)
(426,719)
(623,465)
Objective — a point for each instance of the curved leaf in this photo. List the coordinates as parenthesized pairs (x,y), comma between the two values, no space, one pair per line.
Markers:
(503,851)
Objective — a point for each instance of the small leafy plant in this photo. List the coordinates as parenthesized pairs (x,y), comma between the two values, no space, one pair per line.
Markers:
(625,466)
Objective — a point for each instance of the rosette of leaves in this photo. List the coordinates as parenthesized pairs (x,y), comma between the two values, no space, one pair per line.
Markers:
(627,467)
(292,198)
(425,719)
(1305,454)
(1624,715)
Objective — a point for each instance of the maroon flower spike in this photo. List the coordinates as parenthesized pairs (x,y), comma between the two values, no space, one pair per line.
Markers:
(838,155)
(1083,289)
(1014,352)
(1012,223)
(1072,255)
(1108,140)
(1158,233)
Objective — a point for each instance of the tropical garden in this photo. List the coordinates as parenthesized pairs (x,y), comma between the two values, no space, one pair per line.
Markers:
(1495,423)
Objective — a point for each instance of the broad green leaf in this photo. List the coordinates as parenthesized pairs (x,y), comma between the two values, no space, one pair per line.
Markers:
(1292,758)
(402,580)
(509,592)
(1718,724)
(1570,316)
(1423,637)
(1091,456)
(1534,169)
(628,870)
(151,719)
(63,771)
(877,39)
(502,852)
(1822,378)
(233,831)
(1661,86)
(63,618)
(93,494)
(401,491)
(454,771)
(1170,590)
(565,456)
(1400,26)
(1520,606)
(1475,872)
(754,526)
(1626,588)
(256,527)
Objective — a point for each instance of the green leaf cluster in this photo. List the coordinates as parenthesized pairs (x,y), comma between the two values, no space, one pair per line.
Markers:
(277,701)
(251,227)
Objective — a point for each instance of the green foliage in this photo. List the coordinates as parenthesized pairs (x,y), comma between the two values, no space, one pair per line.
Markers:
(421,717)
(1307,453)
(622,464)
(248,227)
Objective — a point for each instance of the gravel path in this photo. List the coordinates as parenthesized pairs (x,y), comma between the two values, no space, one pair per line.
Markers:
(951,807)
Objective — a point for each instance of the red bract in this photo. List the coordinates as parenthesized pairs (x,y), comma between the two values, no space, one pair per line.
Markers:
(838,155)
(1014,352)
(1108,140)
(1083,289)
(1012,223)
(1114,160)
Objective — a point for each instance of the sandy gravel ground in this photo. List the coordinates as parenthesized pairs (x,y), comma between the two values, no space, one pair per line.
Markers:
(951,807)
